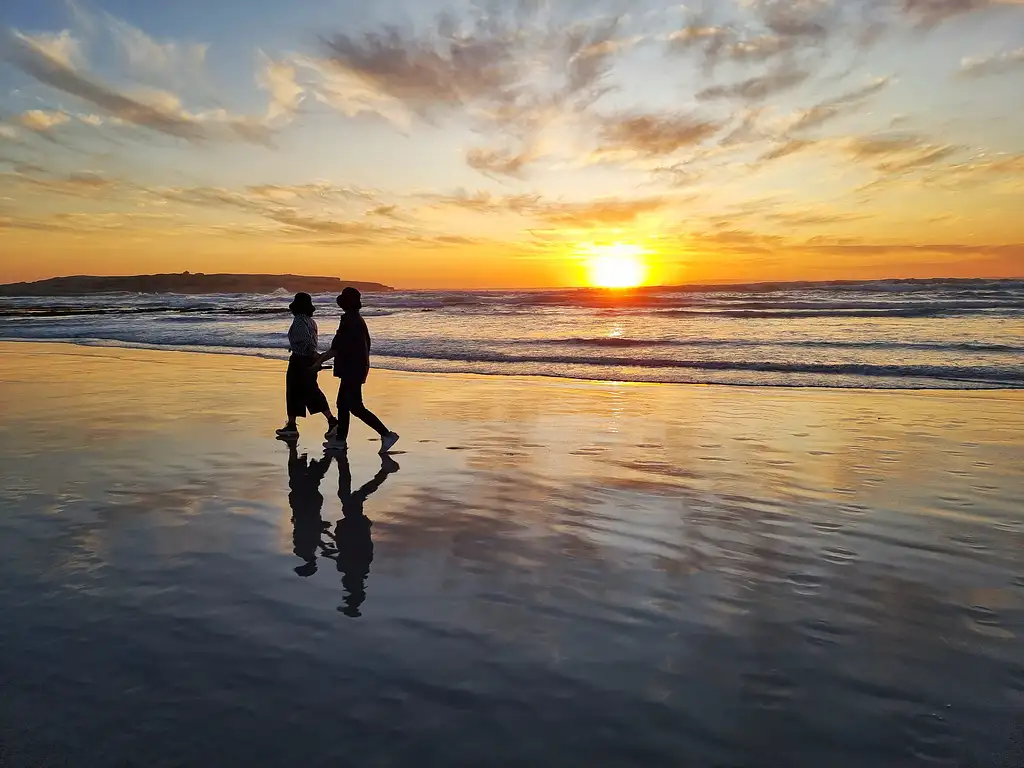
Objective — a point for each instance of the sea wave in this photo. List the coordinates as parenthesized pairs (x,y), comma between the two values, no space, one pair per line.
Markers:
(894,334)
(620,342)
(980,374)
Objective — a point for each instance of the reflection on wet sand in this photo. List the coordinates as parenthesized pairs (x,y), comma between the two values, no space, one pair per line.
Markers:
(352,549)
(306,501)
(640,575)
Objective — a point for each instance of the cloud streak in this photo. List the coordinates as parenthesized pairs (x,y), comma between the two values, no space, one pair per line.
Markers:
(996,64)
(652,135)
(50,61)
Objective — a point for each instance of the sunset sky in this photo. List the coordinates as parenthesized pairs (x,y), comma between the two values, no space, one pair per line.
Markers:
(500,144)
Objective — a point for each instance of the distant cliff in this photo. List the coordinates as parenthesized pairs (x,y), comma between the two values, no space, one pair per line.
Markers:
(185,282)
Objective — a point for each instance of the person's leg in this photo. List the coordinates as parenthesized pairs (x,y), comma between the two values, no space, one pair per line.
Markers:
(341,433)
(294,398)
(354,403)
(316,401)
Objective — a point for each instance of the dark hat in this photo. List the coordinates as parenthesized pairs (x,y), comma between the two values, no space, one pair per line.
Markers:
(350,298)
(302,305)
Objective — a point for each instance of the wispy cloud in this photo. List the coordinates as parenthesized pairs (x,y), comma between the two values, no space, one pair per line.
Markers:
(996,64)
(512,72)
(278,78)
(40,120)
(757,88)
(897,153)
(598,213)
(50,64)
(163,59)
(500,162)
(844,103)
(651,135)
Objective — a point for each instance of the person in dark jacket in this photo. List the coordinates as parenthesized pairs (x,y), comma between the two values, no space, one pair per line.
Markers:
(351,352)
(302,393)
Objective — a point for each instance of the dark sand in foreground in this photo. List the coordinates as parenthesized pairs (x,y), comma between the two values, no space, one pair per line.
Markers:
(560,573)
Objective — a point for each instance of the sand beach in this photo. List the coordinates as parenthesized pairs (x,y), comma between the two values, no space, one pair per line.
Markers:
(555,573)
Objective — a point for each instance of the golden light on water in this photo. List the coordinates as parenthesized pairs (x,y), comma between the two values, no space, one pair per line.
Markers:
(618,265)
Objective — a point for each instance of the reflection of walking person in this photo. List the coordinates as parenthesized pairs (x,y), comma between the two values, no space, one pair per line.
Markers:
(301,389)
(351,352)
(352,540)
(306,502)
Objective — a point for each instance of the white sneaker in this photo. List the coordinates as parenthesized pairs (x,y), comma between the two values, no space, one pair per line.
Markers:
(288,431)
(331,433)
(387,442)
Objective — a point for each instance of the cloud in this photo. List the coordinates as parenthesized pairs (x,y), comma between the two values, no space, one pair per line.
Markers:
(499,162)
(294,222)
(598,213)
(996,64)
(342,91)
(934,12)
(485,202)
(87,185)
(757,88)
(40,120)
(865,91)
(424,73)
(838,106)
(897,153)
(814,218)
(319,191)
(652,135)
(511,70)
(155,110)
(163,59)
(988,171)
(278,78)
(764,31)
(315,209)
(385,211)
(604,212)
(33,58)
(787,148)
(62,47)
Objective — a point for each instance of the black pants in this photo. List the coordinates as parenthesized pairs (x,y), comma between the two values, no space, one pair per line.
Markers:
(350,400)
(301,389)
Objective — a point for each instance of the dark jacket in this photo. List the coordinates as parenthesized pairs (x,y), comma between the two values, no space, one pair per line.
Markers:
(352,348)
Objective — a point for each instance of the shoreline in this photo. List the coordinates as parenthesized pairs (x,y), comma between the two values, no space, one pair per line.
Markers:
(102,344)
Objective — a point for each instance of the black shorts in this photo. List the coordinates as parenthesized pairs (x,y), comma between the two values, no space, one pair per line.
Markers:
(302,391)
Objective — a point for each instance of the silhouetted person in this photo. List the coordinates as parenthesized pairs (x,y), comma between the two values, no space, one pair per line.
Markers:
(306,501)
(351,352)
(352,540)
(302,393)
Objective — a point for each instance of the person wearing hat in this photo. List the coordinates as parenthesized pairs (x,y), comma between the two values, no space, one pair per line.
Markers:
(351,352)
(302,393)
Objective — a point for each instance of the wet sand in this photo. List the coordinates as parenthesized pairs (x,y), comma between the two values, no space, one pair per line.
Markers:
(559,573)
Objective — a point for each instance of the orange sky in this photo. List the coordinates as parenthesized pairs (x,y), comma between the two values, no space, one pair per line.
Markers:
(760,141)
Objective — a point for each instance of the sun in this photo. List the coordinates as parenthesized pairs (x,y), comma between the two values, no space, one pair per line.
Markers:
(620,265)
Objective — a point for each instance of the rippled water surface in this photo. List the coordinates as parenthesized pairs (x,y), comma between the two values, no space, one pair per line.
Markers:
(556,573)
(923,334)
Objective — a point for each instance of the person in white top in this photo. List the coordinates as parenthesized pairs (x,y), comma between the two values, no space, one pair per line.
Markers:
(302,392)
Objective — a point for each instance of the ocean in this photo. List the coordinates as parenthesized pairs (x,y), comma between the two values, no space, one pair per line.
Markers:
(898,334)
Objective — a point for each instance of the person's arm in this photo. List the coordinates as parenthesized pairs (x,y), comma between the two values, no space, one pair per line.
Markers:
(364,349)
(323,358)
(318,468)
(332,351)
